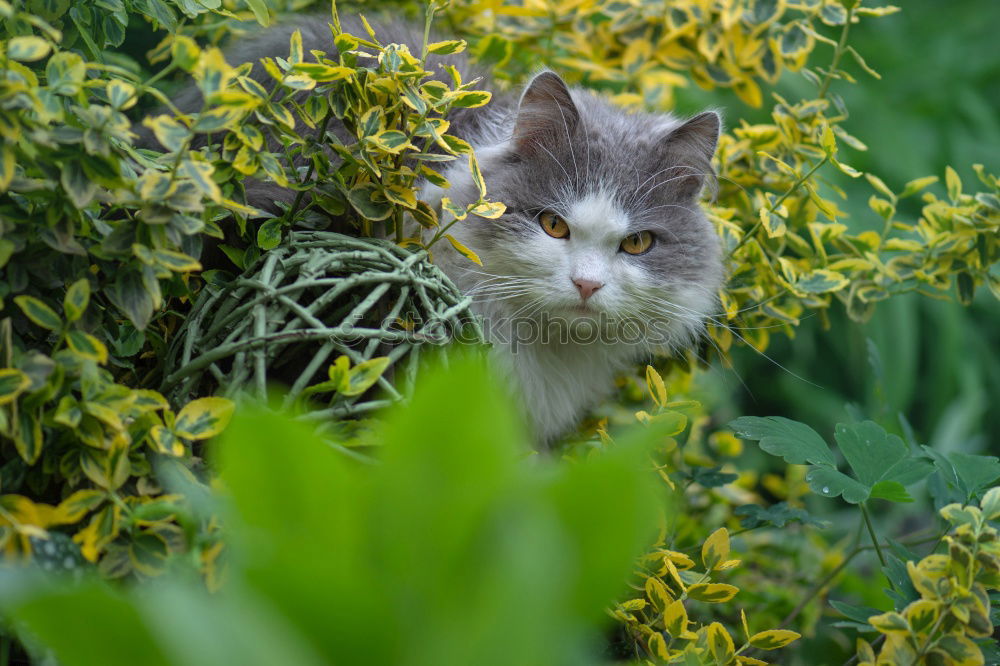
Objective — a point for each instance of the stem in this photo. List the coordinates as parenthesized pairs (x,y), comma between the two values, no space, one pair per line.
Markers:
(837,54)
(818,587)
(773,207)
(290,215)
(871,531)
(428,18)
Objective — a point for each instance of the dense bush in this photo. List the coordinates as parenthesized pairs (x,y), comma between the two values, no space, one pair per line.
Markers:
(102,243)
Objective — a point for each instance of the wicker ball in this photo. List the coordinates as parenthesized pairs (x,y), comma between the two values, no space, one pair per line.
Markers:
(303,304)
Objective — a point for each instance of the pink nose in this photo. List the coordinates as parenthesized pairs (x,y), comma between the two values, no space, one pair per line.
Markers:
(587,287)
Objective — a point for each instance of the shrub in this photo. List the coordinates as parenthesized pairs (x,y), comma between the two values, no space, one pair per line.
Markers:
(101,247)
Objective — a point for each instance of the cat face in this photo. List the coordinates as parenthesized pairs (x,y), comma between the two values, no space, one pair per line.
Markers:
(602,217)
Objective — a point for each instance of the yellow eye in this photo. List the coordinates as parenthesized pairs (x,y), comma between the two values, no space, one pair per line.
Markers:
(554,225)
(637,243)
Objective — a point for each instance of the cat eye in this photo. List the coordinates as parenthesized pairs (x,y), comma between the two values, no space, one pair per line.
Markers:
(553,225)
(637,243)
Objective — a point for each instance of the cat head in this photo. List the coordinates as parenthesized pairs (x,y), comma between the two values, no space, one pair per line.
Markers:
(602,217)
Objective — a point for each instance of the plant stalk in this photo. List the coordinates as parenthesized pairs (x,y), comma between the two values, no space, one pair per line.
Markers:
(837,54)
(871,531)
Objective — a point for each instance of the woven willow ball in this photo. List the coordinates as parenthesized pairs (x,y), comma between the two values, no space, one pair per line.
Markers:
(303,304)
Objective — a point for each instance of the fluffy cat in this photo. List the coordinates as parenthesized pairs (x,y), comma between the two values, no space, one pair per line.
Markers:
(603,257)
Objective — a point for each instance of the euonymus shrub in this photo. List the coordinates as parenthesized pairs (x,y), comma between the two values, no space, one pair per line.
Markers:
(101,251)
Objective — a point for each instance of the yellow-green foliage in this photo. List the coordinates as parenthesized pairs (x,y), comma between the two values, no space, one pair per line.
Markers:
(98,237)
(954,603)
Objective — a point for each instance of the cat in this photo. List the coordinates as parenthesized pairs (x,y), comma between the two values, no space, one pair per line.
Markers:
(603,256)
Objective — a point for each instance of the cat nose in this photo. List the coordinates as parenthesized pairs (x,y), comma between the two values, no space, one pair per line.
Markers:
(587,287)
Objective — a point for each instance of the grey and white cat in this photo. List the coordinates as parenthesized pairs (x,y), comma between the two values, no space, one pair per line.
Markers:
(603,256)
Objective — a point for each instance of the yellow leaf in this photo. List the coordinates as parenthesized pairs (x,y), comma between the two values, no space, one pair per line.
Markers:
(165,441)
(77,505)
(712,593)
(204,418)
(658,646)
(13,382)
(720,643)
(362,376)
(27,48)
(447,47)
(490,210)
(464,251)
(675,619)
(715,549)
(87,346)
(657,390)
(773,639)
(657,593)
(402,196)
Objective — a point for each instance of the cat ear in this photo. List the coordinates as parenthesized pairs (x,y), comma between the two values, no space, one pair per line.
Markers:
(690,148)
(546,115)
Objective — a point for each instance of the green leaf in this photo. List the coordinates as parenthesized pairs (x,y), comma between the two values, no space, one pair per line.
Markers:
(869,450)
(78,186)
(260,12)
(777,515)
(115,634)
(148,553)
(795,442)
(857,613)
(130,296)
(829,482)
(890,490)
(976,472)
(28,436)
(8,164)
(76,299)
(522,523)
(27,48)
(269,234)
(908,471)
(204,418)
(821,281)
(38,312)
(369,202)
